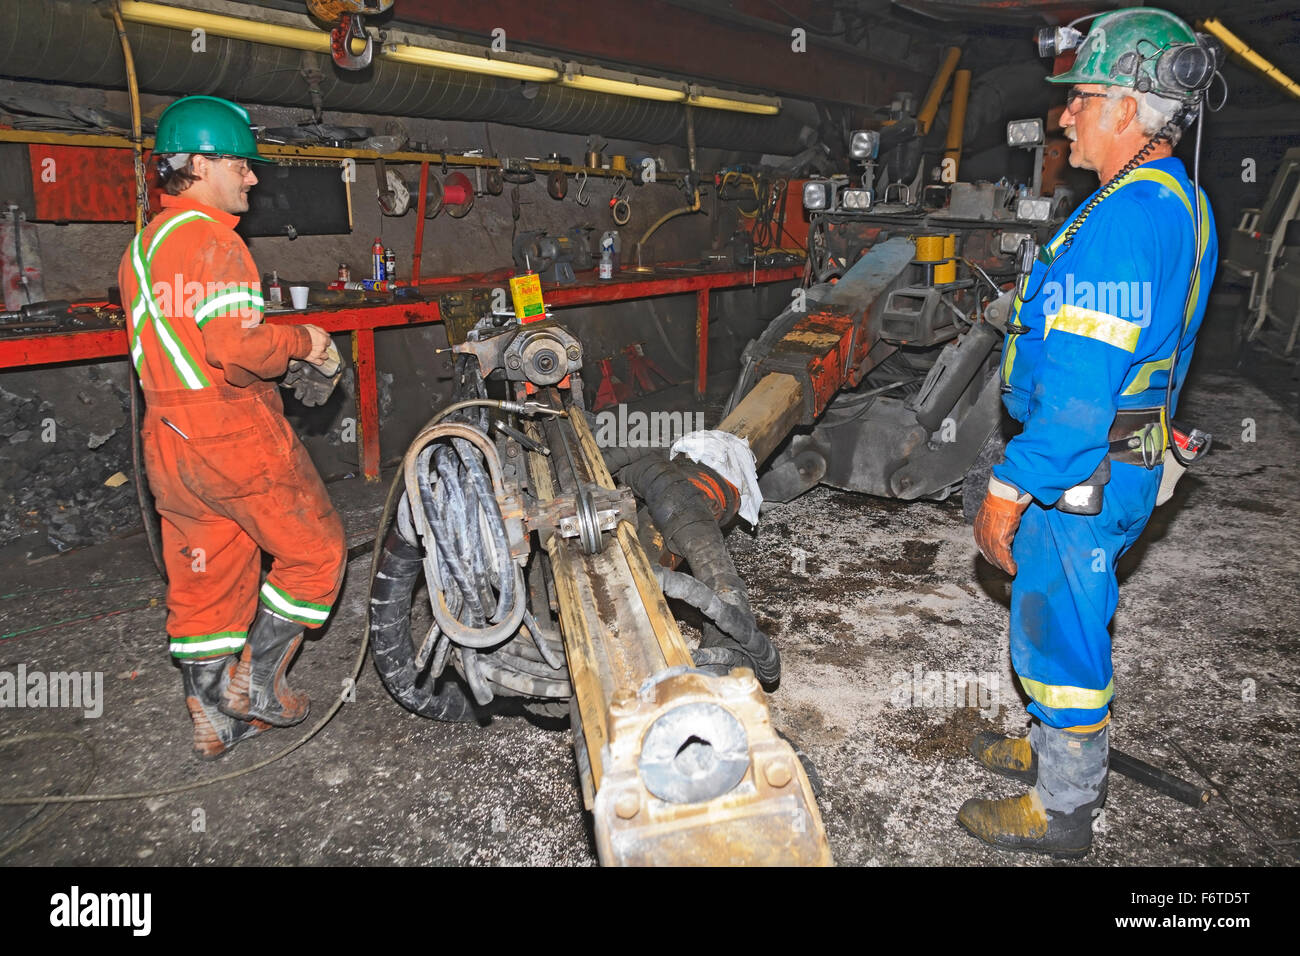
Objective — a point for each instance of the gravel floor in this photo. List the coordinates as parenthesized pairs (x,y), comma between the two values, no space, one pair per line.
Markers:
(860,594)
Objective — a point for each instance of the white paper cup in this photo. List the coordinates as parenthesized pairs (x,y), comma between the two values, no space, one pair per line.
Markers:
(298,294)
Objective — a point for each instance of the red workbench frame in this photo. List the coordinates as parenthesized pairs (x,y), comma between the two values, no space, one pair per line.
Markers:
(360,322)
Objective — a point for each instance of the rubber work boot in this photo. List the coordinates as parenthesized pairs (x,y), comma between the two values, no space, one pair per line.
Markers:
(214,732)
(1009,756)
(257,688)
(1056,816)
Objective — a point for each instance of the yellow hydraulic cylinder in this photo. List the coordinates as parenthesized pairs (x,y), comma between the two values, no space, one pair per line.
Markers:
(930,106)
(956,123)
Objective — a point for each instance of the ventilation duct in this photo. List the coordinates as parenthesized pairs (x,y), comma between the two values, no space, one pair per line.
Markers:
(72,42)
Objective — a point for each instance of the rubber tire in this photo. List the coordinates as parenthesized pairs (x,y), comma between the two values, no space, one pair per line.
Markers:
(391,591)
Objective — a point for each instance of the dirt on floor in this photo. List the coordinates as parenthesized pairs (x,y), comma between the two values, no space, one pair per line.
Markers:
(894,641)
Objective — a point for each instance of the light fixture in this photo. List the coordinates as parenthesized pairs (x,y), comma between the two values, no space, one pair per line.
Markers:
(468,60)
(864,144)
(180,18)
(597,80)
(1038,209)
(1053,41)
(1026,133)
(713,99)
(855,200)
(420,50)
(1009,242)
(816,194)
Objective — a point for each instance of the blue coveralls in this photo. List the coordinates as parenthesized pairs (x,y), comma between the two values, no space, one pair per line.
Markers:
(1100,336)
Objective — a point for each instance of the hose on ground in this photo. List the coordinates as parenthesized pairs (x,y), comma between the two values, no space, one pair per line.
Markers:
(728,618)
(720,659)
(689,526)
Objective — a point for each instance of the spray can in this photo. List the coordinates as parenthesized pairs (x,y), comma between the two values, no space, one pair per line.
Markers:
(377,260)
(390,264)
(608,254)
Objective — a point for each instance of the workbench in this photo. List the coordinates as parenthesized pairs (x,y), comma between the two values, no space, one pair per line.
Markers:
(361,322)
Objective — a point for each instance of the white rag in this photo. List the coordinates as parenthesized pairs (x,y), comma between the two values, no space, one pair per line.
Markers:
(729,456)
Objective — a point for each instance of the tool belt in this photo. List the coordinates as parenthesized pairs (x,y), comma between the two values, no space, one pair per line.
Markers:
(1139,436)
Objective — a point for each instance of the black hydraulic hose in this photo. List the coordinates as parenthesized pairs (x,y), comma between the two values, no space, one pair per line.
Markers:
(728,618)
(688,526)
(723,658)
(620,456)
(392,585)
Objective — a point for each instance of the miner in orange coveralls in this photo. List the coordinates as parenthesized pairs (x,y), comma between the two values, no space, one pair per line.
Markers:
(229,476)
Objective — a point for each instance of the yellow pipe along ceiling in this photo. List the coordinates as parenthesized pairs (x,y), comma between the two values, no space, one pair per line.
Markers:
(449,56)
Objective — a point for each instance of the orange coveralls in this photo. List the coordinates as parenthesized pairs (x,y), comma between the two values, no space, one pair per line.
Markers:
(229,476)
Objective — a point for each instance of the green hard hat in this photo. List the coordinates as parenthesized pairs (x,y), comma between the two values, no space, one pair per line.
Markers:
(1121,50)
(206,124)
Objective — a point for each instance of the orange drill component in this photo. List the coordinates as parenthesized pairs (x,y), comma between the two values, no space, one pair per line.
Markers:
(824,351)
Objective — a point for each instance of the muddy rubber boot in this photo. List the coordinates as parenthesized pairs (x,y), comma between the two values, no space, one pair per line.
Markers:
(214,732)
(1008,756)
(1056,816)
(257,688)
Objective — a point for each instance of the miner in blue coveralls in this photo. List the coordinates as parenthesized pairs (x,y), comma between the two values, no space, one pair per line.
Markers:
(1095,329)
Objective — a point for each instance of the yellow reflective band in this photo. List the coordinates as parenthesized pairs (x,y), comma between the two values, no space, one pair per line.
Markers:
(1091,324)
(1142,381)
(1009,349)
(1141,174)
(1063,697)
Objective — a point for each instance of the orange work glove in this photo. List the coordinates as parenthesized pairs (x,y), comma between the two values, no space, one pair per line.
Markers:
(997,521)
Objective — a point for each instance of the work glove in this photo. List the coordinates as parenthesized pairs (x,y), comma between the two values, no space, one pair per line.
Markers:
(997,522)
(313,384)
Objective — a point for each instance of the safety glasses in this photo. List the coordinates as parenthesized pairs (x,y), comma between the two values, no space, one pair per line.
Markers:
(1075,99)
(238,163)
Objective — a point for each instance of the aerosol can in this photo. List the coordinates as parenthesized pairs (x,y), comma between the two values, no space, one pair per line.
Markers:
(377,260)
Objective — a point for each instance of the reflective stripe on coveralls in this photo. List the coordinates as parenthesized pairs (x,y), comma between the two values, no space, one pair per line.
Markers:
(208,645)
(1142,377)
(1066,591)
(222,301)
(1092,324)
(230,478)
(313,615)
(240,484)
(146,307)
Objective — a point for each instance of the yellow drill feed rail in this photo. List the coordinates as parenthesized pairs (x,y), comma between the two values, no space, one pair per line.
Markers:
(639,705)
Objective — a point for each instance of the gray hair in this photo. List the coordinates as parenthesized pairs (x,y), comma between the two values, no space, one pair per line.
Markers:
(1154,112)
